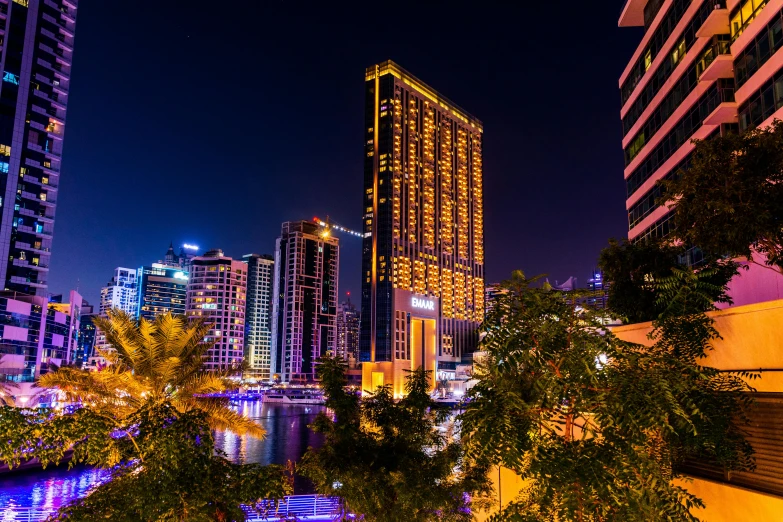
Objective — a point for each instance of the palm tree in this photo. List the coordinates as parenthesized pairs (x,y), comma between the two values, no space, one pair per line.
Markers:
(153,362)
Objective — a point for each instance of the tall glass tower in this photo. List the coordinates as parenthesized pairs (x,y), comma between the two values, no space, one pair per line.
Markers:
(304,308)
(423,252)
(258,329)
(36,37)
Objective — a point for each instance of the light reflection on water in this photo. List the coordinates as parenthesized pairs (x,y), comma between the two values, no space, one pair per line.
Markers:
(288,437)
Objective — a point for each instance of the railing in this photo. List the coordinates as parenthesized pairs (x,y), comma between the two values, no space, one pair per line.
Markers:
(720,44)
(25,515)
(303,507)
(298,507)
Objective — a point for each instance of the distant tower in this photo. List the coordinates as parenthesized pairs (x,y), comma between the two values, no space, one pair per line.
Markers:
(216,291)
(171,259)
(347,330)
(258,329)
(304,324)
(161,288)
(599,289)
(120,292)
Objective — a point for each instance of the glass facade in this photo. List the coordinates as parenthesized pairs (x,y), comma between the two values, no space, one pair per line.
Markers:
(721,91)
(36,70)
(258,329)
(422,212)
(657,41)
(36,337)
(761,49)
(161,289)
(306,265)
(348,330)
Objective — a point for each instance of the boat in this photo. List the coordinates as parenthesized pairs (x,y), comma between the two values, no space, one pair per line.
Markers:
(290,395)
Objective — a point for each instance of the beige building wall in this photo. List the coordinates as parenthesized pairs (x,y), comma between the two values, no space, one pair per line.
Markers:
(752,340)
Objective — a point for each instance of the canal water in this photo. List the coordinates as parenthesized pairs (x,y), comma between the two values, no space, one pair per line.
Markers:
(288,437)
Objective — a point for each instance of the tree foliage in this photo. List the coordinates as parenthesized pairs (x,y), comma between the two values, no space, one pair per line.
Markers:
(389,460)
(153,362)
(632,272)
(730,201)
(594,425)
(145,420)
(162,464)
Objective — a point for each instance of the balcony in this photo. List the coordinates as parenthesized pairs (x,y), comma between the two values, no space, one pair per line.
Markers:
(27,281)
(27,246)
(60,72)
(30,195)
(26,264)
(717,22)
(36,215)
(32,179)
(632,14)
(716,61)
(726,111)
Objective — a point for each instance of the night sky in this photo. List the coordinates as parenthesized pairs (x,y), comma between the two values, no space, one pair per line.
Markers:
(213,122)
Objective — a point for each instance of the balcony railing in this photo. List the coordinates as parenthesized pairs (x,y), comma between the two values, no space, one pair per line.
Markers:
(721,44)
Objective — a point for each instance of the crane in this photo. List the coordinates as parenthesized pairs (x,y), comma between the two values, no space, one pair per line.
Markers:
(328,225)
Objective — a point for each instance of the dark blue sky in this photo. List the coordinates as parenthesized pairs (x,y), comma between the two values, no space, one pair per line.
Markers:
(212,122)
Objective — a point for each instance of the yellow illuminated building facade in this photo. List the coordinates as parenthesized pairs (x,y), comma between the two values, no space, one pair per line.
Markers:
(423,252)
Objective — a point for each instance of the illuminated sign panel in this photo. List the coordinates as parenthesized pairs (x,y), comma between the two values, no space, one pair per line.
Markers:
(188,246)
(422,304)
(180,275)
(11,78)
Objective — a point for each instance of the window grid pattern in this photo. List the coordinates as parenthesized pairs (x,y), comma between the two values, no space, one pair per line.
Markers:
(721,91)
(761,49)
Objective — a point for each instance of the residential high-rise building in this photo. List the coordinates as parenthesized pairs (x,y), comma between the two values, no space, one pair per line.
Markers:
(120,293)
(423,252)
(703,68)
(37,45)
(348,318)
(258,328)
(216,291)
(304,315)
(161,289)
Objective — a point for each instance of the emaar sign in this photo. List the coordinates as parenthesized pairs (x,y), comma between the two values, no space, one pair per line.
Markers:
(422,304)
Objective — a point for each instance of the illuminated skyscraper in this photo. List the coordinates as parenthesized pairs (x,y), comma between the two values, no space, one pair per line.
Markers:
(258,330)
(36,37)
(216,292)
(120,293)
(304,315)
(161,289)
(347,330)
(423,254)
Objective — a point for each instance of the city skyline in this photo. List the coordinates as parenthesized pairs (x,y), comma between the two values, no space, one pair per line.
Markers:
(520,169)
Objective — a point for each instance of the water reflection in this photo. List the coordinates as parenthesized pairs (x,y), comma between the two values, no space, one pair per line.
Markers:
(287,439)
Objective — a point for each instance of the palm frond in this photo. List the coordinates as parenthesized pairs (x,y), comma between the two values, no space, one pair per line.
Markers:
(221,417)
